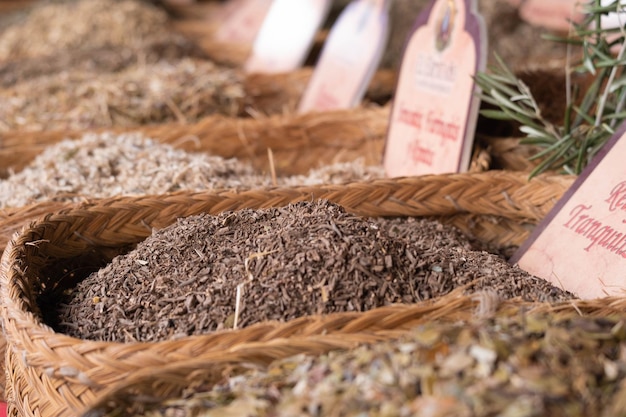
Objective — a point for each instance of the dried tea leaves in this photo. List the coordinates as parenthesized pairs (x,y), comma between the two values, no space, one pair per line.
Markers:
(206,272)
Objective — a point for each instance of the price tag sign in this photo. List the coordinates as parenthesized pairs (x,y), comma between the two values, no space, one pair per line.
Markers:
(349,58)
(244,22)
(433,117)
(287,35)
(581,244)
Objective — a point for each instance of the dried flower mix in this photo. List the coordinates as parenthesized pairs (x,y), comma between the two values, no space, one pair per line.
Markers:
(519,366)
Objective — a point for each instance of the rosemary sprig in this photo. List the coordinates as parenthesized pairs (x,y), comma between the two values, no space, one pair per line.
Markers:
(587,123)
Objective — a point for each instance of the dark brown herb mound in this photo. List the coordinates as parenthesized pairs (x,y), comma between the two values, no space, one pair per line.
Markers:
(307,258)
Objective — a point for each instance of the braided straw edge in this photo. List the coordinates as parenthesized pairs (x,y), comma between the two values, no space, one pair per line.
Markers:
(384,323)
(327,137)
(63,360)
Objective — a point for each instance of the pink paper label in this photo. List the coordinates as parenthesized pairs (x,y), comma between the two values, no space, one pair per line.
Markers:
(244,23)
(435,107)
(555,15)
(287,35)
(349,59)
(581,245)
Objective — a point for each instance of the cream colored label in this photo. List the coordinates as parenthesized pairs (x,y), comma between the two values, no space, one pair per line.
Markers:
(286,35)
(349,59)
(435,92)
(583,247)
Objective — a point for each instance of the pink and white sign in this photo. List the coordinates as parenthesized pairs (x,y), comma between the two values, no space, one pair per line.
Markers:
(287,34)
(435,107)
(244,22)
(555,15)
(581,245)
(349,58)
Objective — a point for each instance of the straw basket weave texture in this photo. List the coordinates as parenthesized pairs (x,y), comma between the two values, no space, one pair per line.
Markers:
(50,374)
(298,142)
(157,386)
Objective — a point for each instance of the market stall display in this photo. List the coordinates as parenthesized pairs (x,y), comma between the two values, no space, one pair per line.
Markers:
(178,240)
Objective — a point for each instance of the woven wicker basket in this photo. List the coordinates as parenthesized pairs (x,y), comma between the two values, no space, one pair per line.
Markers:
(50,374)
(298,142)
(166,385)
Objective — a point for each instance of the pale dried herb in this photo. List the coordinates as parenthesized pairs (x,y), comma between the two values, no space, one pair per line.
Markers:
(98,60)
(179,91)
(518,366)
(50,27)
(105,165)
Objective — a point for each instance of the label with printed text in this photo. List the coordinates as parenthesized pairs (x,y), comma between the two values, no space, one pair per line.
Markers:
(435,106)
(581,244)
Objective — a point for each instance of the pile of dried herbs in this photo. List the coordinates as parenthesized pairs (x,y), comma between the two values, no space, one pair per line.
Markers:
(100,60)
(184,90)
(518,366)
(52,27)
(105,165)
(206,273)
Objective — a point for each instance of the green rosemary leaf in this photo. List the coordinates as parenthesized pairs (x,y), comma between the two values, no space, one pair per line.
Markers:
(582,114)
(537,141)
(588,120)
(616,116)
(499,83)
(617,84)
(506,102)
(536,133)
(556,150)
(496,114)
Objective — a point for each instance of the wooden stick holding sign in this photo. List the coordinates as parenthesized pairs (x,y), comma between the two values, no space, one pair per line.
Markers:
(349,58)
(435,106)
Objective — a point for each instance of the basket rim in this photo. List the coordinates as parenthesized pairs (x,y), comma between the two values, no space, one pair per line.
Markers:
(39,346)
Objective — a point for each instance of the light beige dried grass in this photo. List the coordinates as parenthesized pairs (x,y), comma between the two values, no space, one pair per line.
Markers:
(129,164)
(88,24)
(183,91)
(106,165)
